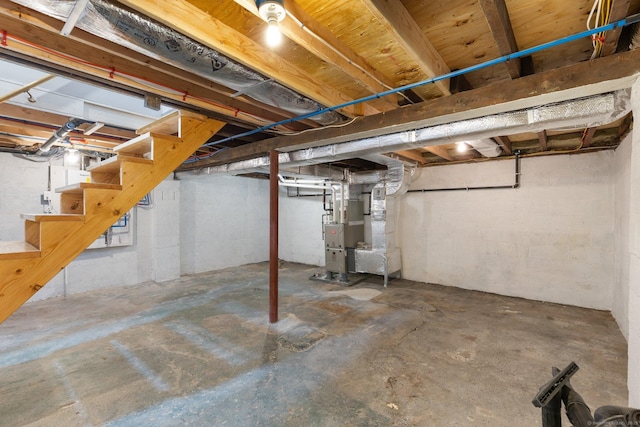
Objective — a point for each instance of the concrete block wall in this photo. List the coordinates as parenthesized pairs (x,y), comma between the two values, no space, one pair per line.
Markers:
(21,183)
(300,229)
(196,224)
(550,240)
(224,222)
(633,283)
(622,192)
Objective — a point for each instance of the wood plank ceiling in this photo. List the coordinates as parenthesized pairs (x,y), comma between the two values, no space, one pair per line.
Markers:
(332,53)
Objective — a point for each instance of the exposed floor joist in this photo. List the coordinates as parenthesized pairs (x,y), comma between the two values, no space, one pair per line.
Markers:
(542,139)
(206,29)
(574,81)
(498,19)
(45,31)
(440,152)
(311,35)
(396,19)
(619,10)
(505,143)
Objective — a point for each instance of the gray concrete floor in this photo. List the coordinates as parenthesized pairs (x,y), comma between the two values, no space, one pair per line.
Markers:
(200,351)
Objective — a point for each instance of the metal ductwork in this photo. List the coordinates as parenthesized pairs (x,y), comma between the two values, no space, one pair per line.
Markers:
(574,114)
(59,135)
(128,28)
(383,256)
(486,147)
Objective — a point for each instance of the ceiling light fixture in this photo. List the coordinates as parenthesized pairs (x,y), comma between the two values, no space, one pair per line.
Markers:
(273,12)
(461,147)
(72,156)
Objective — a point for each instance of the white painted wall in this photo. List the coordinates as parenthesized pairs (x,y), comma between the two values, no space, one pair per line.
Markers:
(196,224)
(622,196)
(225,222)
(633,378)
(300,229)
(549,240)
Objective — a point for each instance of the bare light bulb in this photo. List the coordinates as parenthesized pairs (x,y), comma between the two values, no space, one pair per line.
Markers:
(72,156)
(461,147)
(274,37)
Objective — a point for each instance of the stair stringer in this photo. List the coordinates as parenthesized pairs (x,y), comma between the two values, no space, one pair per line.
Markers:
(61,242)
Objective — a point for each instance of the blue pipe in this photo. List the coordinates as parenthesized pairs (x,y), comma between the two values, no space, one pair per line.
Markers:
(522,53)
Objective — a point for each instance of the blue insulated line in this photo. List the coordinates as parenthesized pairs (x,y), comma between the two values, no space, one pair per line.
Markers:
(522,53)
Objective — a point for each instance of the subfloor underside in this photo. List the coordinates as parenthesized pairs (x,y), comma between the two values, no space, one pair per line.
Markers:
(200,351)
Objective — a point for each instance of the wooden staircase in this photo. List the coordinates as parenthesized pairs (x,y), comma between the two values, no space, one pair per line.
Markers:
(89,209)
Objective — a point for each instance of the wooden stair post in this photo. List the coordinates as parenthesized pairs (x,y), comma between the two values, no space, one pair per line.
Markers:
(89,209)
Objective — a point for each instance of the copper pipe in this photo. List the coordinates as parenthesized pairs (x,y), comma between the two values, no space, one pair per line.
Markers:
(273,236)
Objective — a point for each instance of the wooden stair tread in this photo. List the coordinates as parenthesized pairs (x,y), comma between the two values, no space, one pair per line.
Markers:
(170,124)
(79,187)
(18,250)
(52,217)
(112,164)
(139,146)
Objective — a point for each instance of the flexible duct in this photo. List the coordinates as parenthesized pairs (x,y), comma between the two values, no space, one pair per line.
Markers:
(126,27)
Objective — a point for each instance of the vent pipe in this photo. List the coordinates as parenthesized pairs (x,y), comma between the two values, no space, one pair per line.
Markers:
(59,135)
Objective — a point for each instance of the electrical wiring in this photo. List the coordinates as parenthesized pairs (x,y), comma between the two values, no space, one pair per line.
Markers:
(600,14)
(499,60)
(340,125)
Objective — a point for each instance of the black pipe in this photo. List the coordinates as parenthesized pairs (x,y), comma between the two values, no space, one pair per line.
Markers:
(515,185)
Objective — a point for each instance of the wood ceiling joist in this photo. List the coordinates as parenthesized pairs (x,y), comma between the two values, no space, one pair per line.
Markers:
(542,139)
(498,19)
(45,31)
(581,79)
(204,28)
(42,117)
(32,133)
(396,19)
(505,143)
(338,54)
(440,152)
(619,10)
(411,155)
(587,137)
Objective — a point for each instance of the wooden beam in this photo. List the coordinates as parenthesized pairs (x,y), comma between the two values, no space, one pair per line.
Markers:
(44,31)
(505,143)
(542,139)
(619,10)
(33,133)
(305,31)
(396,19)
(587,137)
(500,24)
(42,117)
(578,80)
(411,155)
(206,29)
(440,152)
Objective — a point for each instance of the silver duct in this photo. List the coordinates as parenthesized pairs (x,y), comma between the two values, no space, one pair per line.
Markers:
(485,147)
(574,114)
(383,256)
(126,27)
(59,135)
